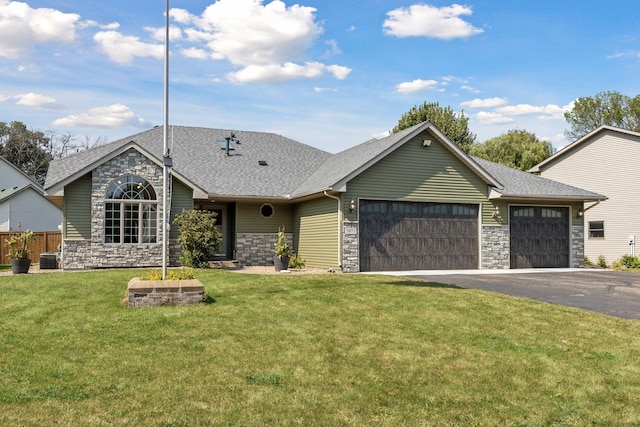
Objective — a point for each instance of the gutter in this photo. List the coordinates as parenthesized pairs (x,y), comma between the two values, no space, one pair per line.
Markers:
(339,224)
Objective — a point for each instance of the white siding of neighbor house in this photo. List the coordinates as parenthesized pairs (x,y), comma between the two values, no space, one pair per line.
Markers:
(607,164)
(11,177)
(33,210)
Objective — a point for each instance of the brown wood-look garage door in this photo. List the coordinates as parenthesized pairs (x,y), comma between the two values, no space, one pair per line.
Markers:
(417,236)
(540,237)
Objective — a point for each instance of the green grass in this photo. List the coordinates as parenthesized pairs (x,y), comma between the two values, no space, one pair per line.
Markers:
(328,350)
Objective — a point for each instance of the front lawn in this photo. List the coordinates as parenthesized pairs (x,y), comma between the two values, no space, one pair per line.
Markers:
(306,350)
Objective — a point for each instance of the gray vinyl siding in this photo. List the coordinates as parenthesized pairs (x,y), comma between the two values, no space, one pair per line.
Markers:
(249,219)
(181,199)
(316,233)
(77,209)
(417,173)
(605,164)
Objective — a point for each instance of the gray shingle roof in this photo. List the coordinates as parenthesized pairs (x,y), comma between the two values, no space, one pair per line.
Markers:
(198,157)
(519,184)
(292,169)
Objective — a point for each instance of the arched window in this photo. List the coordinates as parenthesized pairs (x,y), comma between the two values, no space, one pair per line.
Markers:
(130,211)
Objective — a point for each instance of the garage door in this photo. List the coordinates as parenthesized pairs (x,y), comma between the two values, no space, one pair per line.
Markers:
(539,237)
(417,236)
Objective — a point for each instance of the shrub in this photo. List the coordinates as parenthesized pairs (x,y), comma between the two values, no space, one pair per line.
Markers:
(587,261)
(180,274)
(296,262)
(198,237)
(627,261)
(602,262)
(281,246)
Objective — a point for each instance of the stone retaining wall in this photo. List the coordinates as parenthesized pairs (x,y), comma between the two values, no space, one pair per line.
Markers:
(153,293)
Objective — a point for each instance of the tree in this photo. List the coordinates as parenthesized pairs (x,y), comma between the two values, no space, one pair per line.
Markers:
(27,149)
(198,237)
(66,144)
(453,125)
(517,149)
(605,108)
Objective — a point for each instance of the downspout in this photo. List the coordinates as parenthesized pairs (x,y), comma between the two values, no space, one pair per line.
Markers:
(339,225)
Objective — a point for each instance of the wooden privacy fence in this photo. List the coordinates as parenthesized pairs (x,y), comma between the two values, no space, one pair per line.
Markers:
(45,241)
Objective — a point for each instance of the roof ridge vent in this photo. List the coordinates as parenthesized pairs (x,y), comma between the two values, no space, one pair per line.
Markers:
(262,163)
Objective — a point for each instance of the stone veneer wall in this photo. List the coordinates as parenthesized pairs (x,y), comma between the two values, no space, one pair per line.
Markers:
(257,249)
(350,244)
(495,248)
(577,246)
(94,253)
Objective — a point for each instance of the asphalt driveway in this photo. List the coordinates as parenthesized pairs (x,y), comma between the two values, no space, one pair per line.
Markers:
(609,292)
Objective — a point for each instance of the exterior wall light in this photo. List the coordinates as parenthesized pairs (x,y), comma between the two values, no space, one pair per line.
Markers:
(352,205)
(496,213)
(580,213)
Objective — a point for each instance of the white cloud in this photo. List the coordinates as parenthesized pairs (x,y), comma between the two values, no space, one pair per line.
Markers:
(37,100)
(112,116)
(417,85)
(22,27)
(123,49)
(4,98)
(430,21)
(287,71)
(181,16)
(484,103)
(267,42)
(333,48)
(158,33)
(195,53)
(248,33)
(547,112)
(469,89)
(489,118)
(339,72)
(324,89)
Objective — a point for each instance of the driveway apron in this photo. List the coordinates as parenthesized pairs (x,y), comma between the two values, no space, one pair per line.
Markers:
(608,292)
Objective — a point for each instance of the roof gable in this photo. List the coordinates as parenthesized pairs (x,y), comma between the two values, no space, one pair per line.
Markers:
(344,166)
(15,176)
(571,148)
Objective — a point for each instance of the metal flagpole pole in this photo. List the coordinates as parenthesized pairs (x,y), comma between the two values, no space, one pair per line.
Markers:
(165,167)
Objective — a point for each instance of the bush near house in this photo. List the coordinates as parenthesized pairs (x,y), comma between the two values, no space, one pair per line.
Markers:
(199,237)
(627,261)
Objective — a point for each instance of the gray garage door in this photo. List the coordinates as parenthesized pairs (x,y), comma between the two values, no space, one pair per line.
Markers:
(539,237)
(417,236)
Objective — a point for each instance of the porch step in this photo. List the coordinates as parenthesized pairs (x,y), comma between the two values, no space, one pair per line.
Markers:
(226,265)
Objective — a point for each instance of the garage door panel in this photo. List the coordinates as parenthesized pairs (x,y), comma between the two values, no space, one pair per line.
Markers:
(539,237)
(410,236)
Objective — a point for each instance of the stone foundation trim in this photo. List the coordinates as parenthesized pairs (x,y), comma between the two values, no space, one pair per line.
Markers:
(257,249)
(153,293)
(496,244)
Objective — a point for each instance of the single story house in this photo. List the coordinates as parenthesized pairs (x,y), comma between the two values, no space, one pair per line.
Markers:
(412,200)
(22,202)
(604,161)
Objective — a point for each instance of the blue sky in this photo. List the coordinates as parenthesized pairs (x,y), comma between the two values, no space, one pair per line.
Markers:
(329,73)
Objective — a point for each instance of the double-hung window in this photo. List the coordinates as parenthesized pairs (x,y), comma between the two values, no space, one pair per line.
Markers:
(131,211)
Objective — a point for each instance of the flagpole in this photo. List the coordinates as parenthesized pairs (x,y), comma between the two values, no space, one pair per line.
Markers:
(166,159)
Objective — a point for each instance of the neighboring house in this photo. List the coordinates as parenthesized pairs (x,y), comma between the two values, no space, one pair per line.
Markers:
(22,201)
(412,200)
(604,161)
